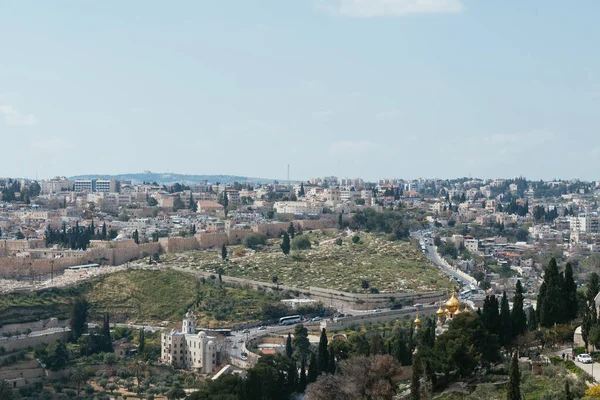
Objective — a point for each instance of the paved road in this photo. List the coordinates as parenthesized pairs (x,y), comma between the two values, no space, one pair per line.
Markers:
(434,257)
(593,369)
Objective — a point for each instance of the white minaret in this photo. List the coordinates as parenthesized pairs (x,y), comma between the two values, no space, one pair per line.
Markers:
(189,325)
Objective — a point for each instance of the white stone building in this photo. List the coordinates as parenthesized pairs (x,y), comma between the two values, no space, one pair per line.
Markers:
(188,350)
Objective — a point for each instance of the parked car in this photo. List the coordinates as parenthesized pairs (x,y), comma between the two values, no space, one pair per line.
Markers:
(585,358)
(262,328)
(316,319)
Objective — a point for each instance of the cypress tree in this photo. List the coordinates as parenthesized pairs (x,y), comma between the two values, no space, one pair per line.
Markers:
(331,362)
(514,379)
(223,252)
(313,368)
(323,359)
(568,394)
(292,376)
(301,192)
(518,318)
(107,342)
(505,333)
(302,380)
(291,230)
(79,314)
(193,206)
(289,350)
(570,294)
(532,322)
(142,340)
(551,306)
(489,315)
(375,344)
(415,383)
(285,245)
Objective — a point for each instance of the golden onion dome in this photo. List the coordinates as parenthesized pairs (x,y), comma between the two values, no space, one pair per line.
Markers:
(457,312)
(417,321)
(466,309)
(453,303)
(440,312)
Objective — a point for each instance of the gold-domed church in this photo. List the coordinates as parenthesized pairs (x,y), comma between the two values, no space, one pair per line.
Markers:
(446,316)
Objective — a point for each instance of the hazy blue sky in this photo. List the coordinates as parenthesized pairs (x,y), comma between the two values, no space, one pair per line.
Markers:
(370,88)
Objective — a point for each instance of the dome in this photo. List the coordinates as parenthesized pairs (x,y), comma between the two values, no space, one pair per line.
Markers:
(457,312)
(417,321)
(440,312)
(202,334)
(211,343)
(466,309)
(452,304)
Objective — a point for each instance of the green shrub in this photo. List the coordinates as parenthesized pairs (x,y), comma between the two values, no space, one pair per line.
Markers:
(253,240)
(301,243)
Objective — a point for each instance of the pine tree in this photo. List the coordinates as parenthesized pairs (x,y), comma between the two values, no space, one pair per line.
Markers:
(285,245)
(223,252)
(517,316)
(313,368)
(323,359)
(505,333)
(514,379)
(289,350)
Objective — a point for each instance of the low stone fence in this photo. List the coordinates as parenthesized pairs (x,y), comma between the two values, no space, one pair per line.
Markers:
(338,324)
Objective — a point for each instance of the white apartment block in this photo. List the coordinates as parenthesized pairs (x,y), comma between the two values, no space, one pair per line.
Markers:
(589,223)
(298,208)
(188,350)
(55,185)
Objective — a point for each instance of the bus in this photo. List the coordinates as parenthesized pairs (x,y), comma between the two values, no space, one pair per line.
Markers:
(291,320)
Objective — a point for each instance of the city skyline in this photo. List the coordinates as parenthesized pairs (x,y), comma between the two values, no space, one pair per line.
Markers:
(444,88)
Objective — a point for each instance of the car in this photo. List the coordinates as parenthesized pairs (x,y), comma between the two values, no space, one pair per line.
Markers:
(316,319)
(244,358)
(262,328)
(585,358)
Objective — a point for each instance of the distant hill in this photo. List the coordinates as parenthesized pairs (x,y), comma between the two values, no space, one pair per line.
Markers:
(166,178)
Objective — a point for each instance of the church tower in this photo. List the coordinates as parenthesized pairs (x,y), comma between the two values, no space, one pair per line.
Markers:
(189,324)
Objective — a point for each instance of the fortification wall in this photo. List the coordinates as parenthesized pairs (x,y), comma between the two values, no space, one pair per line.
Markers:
(174,245)
(271,230)
(237,235)
(216,239)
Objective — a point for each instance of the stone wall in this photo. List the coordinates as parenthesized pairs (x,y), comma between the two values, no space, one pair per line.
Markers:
(33,339)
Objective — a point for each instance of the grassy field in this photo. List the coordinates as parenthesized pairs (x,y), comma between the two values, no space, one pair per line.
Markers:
(143,296)
(387,266)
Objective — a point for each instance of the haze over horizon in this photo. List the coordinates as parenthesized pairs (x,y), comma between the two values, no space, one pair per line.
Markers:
(352,88)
